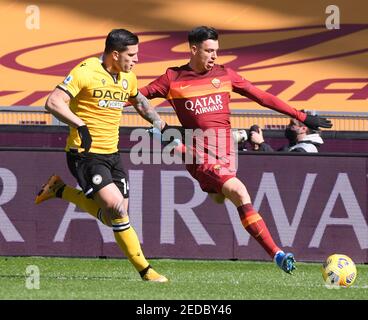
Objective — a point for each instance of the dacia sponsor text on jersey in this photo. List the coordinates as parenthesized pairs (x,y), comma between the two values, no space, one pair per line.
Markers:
(119,97)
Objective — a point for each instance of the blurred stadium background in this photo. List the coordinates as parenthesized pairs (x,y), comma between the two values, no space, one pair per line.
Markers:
(283,47)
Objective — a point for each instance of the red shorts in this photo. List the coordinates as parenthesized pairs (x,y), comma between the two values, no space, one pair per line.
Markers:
(211,177)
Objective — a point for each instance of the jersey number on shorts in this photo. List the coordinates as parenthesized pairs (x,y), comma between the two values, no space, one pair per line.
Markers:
(126,185)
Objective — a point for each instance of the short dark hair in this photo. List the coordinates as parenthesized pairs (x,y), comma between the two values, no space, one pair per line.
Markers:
(119,39)
(200,34)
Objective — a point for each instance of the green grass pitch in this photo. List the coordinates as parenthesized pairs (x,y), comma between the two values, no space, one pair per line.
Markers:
(74,278)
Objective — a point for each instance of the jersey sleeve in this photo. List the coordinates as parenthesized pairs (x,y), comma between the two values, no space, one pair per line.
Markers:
(247,89)
(75,81)
(158,88)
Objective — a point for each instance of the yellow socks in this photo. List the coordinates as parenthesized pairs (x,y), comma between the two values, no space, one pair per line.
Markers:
(124,233)
(81,201)
(128,242)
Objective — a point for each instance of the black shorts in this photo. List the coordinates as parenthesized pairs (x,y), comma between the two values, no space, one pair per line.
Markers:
(94,171)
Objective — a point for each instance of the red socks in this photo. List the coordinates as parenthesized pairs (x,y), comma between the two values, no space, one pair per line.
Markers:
(257,228)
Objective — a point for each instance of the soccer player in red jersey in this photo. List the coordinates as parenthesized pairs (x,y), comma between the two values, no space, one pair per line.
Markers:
(199,92)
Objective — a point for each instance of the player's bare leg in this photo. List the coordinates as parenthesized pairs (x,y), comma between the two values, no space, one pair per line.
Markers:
(237,193)
(110,199)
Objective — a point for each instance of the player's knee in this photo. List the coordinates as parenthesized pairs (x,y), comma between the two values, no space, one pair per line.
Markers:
(238,195)
(238,191)
(116,210)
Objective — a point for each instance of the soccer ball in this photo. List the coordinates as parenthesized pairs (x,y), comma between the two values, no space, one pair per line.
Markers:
(339,270)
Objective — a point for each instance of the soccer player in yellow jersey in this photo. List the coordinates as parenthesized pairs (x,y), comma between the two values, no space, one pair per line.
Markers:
(90,100)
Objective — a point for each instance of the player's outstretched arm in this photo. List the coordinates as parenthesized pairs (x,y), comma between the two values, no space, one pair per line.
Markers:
(272,102)
(146,111)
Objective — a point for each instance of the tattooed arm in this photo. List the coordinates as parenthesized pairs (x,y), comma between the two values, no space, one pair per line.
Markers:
(146,111)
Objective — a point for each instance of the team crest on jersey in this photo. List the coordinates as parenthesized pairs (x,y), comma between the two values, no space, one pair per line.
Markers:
(125,84)
(216,83)
(97,179)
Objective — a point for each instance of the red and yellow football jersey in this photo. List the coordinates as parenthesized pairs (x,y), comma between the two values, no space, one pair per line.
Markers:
(202,100)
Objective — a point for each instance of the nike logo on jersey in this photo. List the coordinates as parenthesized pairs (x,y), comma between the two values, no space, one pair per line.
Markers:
(184,87)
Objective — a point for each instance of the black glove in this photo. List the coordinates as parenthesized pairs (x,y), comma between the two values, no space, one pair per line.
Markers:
(85,137)
(314,122)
